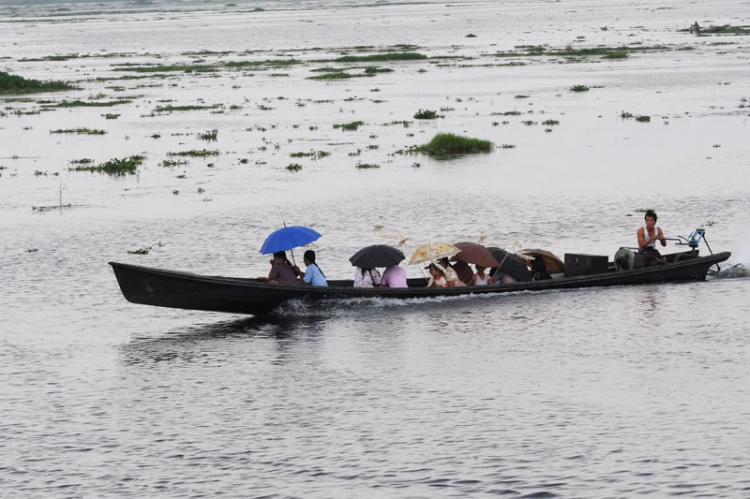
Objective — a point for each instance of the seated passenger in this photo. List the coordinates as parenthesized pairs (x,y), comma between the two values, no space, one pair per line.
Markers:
(437,276)
(463,271)
(647,237)
(539,269)
(451,277)
(394,277)
(500,277)
(281,271)
(366,278)
(480,278)
(313,274)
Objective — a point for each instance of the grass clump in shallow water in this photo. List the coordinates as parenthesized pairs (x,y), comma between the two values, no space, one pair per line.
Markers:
(115,166)
(366,166)
(315,155)
(170,108)
(195,153)
(427,114)
(209,136)
(348,127)
(81,131)
(80,103)
(14,84)
(448,144)
(294,167)
(579,88)
(387,56)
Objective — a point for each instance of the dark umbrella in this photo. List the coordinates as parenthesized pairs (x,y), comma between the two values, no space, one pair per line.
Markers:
(552,263)
(476,254)
(510,264)
(377,255)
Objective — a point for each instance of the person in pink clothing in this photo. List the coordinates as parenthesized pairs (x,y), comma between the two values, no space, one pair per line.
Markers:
(394,277)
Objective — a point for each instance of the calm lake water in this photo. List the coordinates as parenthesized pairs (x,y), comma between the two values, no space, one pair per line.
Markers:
(615,392)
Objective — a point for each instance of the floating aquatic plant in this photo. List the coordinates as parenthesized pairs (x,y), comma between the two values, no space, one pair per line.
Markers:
(579,88)
(354,125)
(81,131)
(294,167)
(115,166)
(445,145)
(195,153)
(210,135)
(388,56)
(366,166)
(14,84)
(427,114)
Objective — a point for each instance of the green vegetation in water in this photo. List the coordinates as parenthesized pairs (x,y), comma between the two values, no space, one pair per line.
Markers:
(339,75)
(169,163)
(195,153)
(353,126)
(731,30)
(83,161)
(571,52)
(579,88)
(445,145)
(159,68)
(404,123)
(522,96)
(506,113)
(82,131)
(111,116)
(641,118)
(80,103)
(387,56)
(311,154)
(209,136)
(14,84)
(550,122)
(294,167)
(170,108)
(427,114)
(117,167)
(366,166)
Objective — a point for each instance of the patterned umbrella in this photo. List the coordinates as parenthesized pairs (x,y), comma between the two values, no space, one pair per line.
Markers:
(433,252)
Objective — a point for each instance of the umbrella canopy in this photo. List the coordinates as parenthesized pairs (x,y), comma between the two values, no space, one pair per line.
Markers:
(511,264)
(433,252)
(552,263)
(476,254)
(287,238)
(377,255)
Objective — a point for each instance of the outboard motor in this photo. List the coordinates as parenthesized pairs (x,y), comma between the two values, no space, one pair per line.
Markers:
(624,259)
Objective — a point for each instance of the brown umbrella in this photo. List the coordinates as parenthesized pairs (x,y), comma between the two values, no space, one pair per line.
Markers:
(552,263)
(476,254)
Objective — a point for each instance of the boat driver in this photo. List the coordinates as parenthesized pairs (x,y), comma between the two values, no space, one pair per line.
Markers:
(647,237)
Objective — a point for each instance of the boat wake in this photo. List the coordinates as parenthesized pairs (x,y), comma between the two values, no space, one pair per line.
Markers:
(733,272)
(343,307)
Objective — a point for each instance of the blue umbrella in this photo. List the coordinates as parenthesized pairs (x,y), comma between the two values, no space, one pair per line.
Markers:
(288,238)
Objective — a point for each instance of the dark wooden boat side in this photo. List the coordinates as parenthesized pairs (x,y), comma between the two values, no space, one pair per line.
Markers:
(184,290)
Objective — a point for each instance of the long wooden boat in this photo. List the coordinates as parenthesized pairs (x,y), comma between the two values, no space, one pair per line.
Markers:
(184,290)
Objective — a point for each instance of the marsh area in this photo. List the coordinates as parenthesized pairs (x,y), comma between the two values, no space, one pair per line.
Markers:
(195,129)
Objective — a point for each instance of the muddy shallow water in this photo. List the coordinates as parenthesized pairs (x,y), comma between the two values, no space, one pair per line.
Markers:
(594,393)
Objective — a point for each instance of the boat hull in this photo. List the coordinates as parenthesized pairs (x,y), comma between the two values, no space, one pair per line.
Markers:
(184,290)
